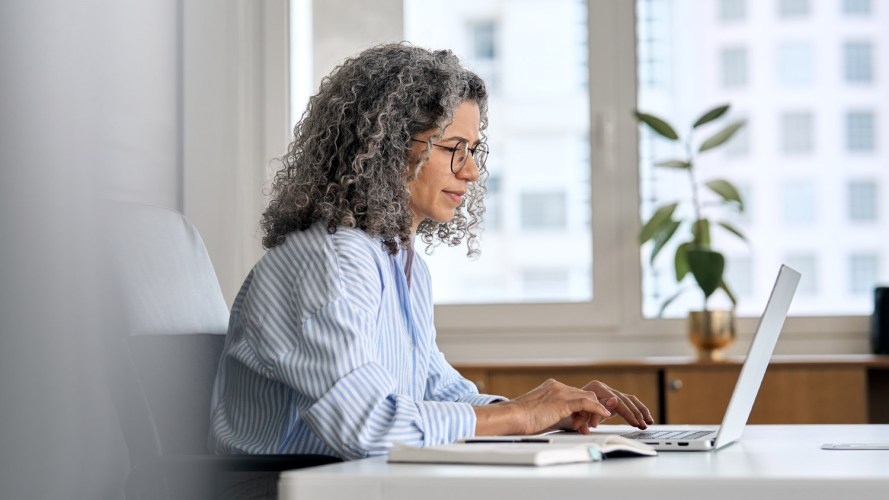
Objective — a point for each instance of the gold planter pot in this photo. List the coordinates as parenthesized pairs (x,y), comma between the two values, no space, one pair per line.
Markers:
(711,332)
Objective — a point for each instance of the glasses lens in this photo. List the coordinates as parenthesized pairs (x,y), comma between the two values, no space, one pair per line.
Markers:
(458,159)
(480,155)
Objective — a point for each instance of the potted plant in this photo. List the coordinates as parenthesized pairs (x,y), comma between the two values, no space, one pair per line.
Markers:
(711,331)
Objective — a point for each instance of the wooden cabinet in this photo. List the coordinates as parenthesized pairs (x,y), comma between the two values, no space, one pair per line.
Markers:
(795,390)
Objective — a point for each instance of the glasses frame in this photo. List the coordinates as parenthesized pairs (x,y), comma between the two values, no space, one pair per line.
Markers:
(469,152)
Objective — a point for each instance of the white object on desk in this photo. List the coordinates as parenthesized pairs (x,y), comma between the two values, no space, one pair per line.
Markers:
(770,462)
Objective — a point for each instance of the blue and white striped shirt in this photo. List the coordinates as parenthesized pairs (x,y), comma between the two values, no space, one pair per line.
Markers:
(330,351)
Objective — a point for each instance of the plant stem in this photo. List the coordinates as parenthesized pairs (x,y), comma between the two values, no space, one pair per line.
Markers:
(696,202)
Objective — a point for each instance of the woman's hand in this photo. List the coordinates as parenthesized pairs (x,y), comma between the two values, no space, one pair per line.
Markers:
(555,405)
(627,406)
(548,407)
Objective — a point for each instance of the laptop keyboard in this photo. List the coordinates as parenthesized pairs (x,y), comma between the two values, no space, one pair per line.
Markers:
(676,435)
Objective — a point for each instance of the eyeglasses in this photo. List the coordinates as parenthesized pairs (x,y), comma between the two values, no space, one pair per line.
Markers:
(461,152)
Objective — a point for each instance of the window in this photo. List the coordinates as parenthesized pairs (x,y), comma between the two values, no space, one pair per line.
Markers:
(483,53)
(863,272)
(734,67)
(799,203)
(860,131)
(544,211)
(484,47)
(807,265)
(857,7)
(678,47)
(797,129)
(858,62)
(732,10)
(788,9)
(539,189)
(862,199)
(795,63)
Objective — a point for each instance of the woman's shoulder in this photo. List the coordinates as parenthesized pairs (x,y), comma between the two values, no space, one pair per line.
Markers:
(345,252)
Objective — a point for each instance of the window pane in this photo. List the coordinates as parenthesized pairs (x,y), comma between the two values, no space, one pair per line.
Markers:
(858,61)
(863,272)
(862,201)
(793,8)
(807,265)
(732,10)
(798,198)
(795,63)
(734,67)
(811,167)
(797,129)
(856,7)
(537,240)
(860,131)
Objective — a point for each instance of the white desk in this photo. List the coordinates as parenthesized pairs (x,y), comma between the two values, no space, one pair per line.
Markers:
(770,462)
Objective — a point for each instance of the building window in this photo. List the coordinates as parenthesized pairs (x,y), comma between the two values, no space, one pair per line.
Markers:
(484,45)
(799,203)
(797,129)
(795,63)
(734,67)
(789,9)
(858,62)
(544,211)
(857,7)
(860,127)
(862,201)
(732,10)
(807,265)
(863,271)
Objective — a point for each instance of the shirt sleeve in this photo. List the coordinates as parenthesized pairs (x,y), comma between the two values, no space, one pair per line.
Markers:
(349,400)
(446,384)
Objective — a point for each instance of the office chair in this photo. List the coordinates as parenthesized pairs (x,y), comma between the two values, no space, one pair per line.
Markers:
(163,367)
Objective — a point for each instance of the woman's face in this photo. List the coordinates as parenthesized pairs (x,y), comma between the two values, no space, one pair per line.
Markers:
(436,193)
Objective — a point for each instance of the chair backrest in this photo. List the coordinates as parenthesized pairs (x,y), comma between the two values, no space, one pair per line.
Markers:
(165,361)
(167,281)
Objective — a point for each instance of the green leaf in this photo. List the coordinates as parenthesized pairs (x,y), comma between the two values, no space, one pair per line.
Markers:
(663,237)
(701,232)
(707,267)
(732,229)
(711,115)
(659,125)
(682,164)
(728,291)
(681,261)
(659,218)
(726,190)
(721,136)
(669,301)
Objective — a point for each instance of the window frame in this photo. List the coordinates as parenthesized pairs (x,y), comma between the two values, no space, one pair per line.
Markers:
(617,316)
(611,324)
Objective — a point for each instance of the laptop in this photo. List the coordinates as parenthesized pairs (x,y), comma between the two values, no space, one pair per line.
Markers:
(688,438)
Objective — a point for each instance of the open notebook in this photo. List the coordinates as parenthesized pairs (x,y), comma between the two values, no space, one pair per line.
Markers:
(549,449)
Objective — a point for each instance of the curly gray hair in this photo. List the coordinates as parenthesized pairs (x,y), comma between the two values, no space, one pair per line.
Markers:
(349,163)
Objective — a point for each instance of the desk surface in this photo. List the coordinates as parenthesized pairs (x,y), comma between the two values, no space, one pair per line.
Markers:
(768,462)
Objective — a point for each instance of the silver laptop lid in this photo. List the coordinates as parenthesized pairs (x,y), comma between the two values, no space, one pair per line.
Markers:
(764,340)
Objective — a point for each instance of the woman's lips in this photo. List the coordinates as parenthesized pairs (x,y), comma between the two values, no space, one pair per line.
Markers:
(456,196)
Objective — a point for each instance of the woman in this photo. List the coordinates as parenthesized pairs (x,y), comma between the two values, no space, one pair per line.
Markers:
(331,345)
